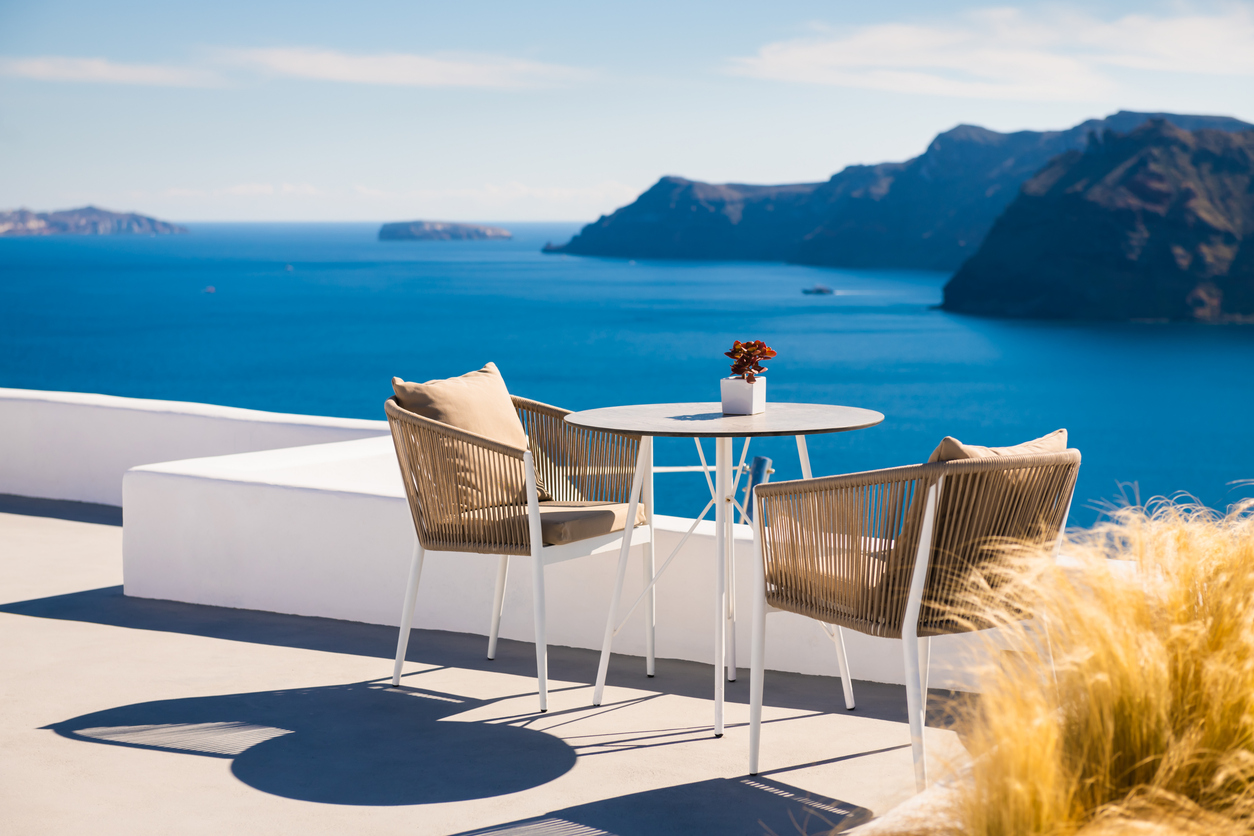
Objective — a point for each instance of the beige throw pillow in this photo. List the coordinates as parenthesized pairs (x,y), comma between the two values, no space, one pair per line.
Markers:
(951,449)
(476,402)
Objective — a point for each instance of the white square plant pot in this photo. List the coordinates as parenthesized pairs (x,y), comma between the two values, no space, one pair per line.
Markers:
(740,397)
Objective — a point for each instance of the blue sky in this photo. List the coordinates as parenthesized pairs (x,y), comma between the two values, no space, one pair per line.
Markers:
(552,110)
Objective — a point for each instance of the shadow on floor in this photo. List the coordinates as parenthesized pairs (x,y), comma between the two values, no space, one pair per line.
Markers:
(726,806)
(61,509)
(357,744)
(462,650)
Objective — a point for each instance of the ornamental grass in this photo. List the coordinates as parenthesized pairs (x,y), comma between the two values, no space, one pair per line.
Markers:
(1144,723)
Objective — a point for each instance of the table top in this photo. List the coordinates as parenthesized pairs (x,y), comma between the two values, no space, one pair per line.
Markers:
(706,420)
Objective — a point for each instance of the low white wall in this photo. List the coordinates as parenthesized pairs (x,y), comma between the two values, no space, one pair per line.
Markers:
(326,531)
(71,445)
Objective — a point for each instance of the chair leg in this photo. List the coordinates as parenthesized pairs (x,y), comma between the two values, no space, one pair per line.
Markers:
(757,674)
(542,649)
(407,611)
(925,667)
(650,619)
(842,659)
(757,648)
(910,646)
(498,604)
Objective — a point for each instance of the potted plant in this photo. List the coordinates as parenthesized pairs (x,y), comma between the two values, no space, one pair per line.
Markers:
(744,392)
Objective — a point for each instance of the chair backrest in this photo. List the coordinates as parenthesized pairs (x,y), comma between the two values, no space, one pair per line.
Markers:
(574,464)
(843,548)
(435,460)
(461,486)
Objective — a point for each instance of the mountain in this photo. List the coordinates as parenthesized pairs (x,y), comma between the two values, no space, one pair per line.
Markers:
(439,231)
(86,221)
(1154,224)
(930,212)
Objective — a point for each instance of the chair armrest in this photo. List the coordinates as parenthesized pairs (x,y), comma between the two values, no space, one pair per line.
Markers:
(574,464)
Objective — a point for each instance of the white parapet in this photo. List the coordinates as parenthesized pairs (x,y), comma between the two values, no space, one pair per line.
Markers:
(73,445)
(325,530)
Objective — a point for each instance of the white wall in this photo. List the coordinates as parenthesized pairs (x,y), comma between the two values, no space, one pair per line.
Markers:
(70,445)
(326,531)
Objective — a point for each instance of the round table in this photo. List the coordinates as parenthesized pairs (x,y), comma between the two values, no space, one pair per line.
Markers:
(697,421)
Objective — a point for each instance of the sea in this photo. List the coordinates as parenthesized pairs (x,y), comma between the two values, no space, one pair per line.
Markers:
(317,318)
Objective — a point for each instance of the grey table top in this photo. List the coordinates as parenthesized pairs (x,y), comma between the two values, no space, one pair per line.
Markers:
(706,420)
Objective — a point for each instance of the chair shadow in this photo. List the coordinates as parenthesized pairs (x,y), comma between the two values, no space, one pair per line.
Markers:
(726,806)
(356,744)
(805,692)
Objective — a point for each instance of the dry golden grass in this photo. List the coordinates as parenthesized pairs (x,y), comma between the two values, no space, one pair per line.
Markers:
(1148,725)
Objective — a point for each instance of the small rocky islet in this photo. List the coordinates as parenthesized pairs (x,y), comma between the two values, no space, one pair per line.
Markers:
(440,231)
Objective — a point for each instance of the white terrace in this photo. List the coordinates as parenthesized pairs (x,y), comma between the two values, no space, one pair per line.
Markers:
(198,609)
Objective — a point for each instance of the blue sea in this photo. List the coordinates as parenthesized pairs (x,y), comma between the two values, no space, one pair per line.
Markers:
(317,318)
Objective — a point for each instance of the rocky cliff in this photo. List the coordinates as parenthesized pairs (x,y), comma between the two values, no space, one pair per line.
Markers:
(930,212)
(440,231)
(86,221)
(1154,224)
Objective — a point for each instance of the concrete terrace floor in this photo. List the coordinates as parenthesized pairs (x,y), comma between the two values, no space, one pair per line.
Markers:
(130,716)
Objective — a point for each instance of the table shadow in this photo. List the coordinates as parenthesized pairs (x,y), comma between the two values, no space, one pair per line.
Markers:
(356,744)
(727,806)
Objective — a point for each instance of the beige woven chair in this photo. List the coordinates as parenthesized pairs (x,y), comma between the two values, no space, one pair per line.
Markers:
(587,475)
(891,553)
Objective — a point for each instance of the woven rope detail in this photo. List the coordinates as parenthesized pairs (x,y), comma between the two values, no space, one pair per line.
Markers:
(571,463)
(842,548)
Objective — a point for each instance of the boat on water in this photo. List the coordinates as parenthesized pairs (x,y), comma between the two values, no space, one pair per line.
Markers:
(818,290)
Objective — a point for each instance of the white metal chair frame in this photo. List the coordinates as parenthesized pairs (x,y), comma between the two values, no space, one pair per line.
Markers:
(916,650)
(541,556)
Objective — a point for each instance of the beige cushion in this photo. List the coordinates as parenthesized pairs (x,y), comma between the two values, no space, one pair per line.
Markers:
(951,449)
(560,522)
(476,402)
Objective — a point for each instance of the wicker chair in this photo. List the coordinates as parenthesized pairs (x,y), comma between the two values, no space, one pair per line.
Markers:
(588,477)
(891,553)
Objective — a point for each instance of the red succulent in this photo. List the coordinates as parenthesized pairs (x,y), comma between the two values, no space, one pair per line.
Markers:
(748,357)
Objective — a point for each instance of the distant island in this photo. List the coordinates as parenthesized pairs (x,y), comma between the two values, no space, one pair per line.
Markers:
(931,212)
(89,220)
(440,231)
(1157,223)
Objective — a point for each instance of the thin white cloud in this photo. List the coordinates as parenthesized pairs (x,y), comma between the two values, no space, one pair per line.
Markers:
(304,189)
(248,189)
(403,69)
(1003,53)
(103,71)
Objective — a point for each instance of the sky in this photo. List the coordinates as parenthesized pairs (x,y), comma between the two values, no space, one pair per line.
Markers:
(540,111)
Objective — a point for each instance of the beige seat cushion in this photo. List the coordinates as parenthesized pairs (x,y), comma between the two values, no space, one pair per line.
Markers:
(476,402)
(951,449)
(560,522)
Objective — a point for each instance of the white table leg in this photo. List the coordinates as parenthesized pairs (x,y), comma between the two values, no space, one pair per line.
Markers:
(650,619)
(804,455)
(733,479)
(722,510)
(644,455)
